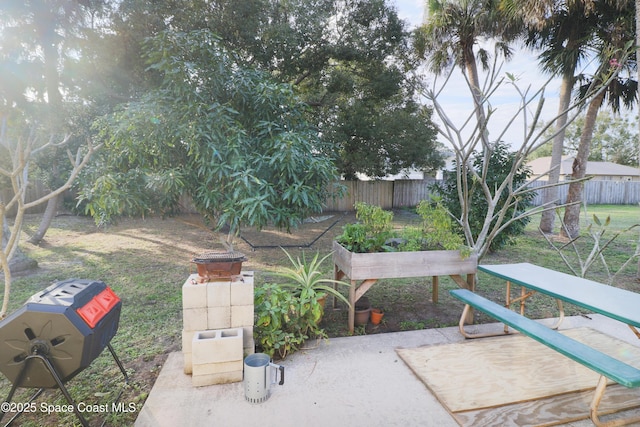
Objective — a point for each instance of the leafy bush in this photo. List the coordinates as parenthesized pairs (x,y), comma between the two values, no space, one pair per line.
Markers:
(437,226)
(279,327)
(499,167)
(371,233)
(375,234)
(288,314)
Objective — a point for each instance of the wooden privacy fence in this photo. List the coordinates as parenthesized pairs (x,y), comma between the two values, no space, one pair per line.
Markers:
(403,193)
(599,192)
(408,193)
(386,194)
(34,191)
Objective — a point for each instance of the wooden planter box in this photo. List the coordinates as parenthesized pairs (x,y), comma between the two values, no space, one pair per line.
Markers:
(369,267)
(388,265)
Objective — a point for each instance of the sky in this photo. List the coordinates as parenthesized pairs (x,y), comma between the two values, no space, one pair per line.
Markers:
(456,99)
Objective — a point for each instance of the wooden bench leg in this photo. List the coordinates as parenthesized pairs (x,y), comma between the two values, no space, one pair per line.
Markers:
(595,402)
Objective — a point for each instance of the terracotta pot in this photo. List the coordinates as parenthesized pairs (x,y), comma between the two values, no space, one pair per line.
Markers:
(363,310)
(376,316)
(362,317)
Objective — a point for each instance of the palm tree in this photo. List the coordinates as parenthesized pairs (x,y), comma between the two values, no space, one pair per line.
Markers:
(451,32)
(562,31)
(613,38)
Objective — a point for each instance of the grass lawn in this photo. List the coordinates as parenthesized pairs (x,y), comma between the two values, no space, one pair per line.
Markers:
(146,261)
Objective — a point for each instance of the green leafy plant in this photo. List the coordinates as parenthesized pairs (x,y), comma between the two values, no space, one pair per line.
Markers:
(276,328)
(307,284)
(289,313)
(437,227)
(371,233)
(374,232)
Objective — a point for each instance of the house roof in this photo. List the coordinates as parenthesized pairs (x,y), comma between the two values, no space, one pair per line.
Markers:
(540,166)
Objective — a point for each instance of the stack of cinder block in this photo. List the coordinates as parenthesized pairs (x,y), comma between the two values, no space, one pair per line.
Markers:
(217,328)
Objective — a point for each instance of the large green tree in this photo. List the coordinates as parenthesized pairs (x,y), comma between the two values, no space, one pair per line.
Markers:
(348,60)
(233,139)
(41,44)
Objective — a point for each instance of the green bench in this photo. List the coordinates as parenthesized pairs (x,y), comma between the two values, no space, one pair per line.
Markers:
(605,365)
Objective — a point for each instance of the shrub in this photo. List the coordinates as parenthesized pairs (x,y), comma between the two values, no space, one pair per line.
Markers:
(499,167)
(374,232)
(280,328)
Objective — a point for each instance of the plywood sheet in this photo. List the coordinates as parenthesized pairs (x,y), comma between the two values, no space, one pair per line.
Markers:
(492,372)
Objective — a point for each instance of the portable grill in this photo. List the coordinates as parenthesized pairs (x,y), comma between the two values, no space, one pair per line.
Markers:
(214,266)
(56,334)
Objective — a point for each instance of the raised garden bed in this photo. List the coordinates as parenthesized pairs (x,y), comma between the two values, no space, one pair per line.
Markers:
(365,269)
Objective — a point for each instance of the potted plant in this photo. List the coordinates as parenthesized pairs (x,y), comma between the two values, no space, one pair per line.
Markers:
(371,249)
(305,281)
(289,313)
(376,315)
(363,312)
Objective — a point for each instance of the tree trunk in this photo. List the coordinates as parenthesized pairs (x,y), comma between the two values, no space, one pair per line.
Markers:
(550,195)
(474,81)
(19,261)
(572,212)
(46,20)
(49,213)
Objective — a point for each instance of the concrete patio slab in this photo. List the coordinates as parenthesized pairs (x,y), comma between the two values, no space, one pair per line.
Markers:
(351,381)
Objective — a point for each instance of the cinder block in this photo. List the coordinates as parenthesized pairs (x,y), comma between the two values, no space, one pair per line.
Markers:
(188,365)
(194,319)
(212,379)
(247,277)
(194,295)
(250,348)
(247,336)
(187,339)
(242,293)
(218,368)
(218,294)
(218,317)
(241,315)
(217,346)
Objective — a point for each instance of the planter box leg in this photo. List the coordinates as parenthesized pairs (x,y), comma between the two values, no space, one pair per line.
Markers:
(471,285)
(434,289)
(352,308)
